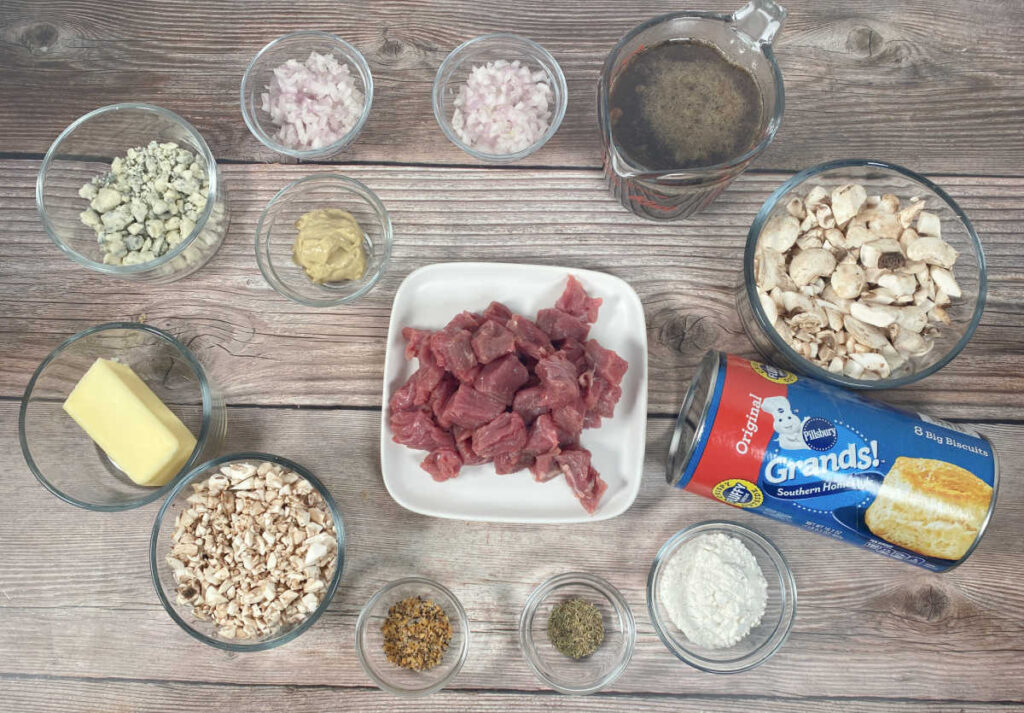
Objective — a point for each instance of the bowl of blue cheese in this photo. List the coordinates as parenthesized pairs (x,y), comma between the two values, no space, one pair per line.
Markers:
(132,190)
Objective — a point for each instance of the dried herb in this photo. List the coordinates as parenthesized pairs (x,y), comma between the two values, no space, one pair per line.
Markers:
(576,628)
(416,634)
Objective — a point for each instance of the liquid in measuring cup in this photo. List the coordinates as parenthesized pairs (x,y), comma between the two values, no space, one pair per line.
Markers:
(682,104)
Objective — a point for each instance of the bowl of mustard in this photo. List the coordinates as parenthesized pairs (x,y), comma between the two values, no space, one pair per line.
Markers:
(323,240)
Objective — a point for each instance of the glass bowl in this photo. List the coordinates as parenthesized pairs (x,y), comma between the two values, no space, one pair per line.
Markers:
(370,641)
(878,178)
(163,576)
(85,150)
(276,232)
(589,674)
(298,46)
(455,70)
(61,454)
(764,639)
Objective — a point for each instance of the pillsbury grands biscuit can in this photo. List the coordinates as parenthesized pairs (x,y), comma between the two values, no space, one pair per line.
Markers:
(907,486)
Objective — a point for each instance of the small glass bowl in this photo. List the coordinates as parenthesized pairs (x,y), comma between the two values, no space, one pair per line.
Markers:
(298,46)
(594,672)
(86,149)
(764,639)
(455,70)
(163,576)
(370,641)
(877,178)
(61,454)
(276,232)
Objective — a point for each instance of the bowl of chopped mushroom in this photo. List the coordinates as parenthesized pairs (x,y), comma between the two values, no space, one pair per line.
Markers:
(247,551)
(862,274)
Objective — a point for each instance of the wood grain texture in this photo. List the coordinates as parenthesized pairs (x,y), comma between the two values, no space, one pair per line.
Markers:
(261,348)
(905,81)
(82,607)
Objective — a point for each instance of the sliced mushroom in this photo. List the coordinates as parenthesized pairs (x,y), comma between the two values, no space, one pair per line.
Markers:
(794,302)
(912,343)
(771,312)
(878,296)
(813,238)
(847,201)
(824,215)
(780,233)
(770,269)
(866,334)
(934,251)
(811,264)
(898,284)
(884,225)
(873,362)
(807,321)
(795,207)
(889,203)
(929,224)
(938,314)
(857,234)
(836,365)
(908,236)
(944,281)
(885,254)
(814,197)
(875,314)
(853,369)
(848,281)
(912,318)
(908,214)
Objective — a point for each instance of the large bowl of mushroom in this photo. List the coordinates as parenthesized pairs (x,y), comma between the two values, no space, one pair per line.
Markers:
(861,274)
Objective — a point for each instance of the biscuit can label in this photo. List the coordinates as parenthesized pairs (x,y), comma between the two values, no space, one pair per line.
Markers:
(762,439)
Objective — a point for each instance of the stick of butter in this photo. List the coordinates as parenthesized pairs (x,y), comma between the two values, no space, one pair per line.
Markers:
(130,423)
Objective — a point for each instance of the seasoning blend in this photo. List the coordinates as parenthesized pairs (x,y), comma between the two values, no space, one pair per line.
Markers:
(416,634)
(576,628)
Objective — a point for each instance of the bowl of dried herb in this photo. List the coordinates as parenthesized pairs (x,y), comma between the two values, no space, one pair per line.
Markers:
(412,637)
(577,633)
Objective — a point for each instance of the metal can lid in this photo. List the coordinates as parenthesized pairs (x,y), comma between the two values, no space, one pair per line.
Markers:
(693,420)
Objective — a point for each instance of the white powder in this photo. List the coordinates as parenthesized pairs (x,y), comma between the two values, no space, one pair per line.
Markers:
(714,590)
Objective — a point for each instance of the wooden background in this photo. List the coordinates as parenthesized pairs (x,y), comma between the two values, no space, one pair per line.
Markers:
(937,85)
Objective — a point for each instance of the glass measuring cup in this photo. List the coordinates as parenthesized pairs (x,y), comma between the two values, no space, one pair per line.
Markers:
(745,37)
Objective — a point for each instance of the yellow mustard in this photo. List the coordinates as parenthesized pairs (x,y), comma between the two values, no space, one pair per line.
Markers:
(329,246)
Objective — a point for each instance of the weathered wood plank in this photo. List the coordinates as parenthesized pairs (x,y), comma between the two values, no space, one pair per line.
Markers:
(64,695)
(83,606)
(262,348)
(888,80)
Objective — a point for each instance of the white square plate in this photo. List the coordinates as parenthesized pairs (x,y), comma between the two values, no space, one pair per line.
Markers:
(428,298)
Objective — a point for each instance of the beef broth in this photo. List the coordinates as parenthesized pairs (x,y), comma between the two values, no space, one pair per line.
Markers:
(683,104)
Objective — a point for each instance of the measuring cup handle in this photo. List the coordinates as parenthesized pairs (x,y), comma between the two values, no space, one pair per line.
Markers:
(760,20)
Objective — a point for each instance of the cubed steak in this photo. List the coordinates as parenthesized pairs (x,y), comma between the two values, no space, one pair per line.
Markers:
(577,302)
(498,387)
(561,325)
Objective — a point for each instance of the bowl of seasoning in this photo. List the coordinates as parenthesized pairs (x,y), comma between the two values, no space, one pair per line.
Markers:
(577,633)
(324,240)
(307,94)
(133,191)
(721,597)
(412,637)
(499,97)
(247,551)
(116,415)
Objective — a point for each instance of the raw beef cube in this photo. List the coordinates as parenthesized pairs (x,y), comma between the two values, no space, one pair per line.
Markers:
(544,467)
(601,396)
(464,444)
(492,341)
(498,312)
(543,435)
(442,464)
(574,352)
(417,390)
(568,421)
(505,434)
(530,403)
(414,339)
(464,320)
(531,340)
(577,302)
(585,482)
(469,408)
(402,399)
(417,430)
(562,325)
(605,362)
(558,380)
(507,463)
(439,397)
(454,351)
(501,379)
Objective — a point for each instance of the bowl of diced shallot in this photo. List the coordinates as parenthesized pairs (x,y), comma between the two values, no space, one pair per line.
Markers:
(499,97)
(307,94)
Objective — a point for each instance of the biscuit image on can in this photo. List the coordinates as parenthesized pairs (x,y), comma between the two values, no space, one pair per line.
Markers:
(930,506)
